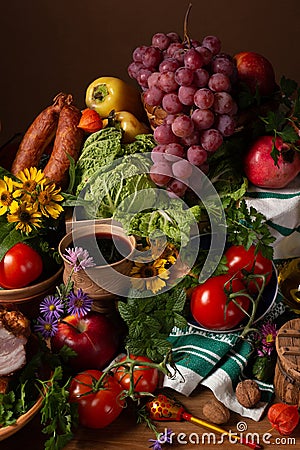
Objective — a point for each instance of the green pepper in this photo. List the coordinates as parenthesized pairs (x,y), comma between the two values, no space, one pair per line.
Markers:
(109,93)
(264,367)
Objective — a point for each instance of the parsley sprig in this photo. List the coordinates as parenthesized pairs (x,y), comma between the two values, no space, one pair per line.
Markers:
(284,121)
(247,226)
(58,415)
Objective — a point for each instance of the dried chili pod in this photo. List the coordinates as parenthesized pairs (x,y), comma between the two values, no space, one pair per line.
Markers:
(90,121)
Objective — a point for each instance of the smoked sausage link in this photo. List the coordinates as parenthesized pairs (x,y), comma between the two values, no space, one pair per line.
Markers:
(68,141)
(38,136)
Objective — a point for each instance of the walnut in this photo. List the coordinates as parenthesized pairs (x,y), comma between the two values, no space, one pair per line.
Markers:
(248,393)
(216,412)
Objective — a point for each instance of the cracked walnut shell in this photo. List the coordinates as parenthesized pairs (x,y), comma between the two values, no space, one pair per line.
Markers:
(248,393)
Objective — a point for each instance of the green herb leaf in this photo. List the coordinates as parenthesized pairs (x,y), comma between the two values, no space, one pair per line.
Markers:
(7,408)
(247,227)
(288,134)
(150,321)
(57,414)
(274,121)
(287,86)
(9,236)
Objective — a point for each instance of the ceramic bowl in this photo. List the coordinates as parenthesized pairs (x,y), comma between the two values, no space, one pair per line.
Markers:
(27,299)
(103,282)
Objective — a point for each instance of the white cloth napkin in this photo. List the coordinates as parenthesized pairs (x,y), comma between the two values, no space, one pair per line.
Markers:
(217,361)
(281,208)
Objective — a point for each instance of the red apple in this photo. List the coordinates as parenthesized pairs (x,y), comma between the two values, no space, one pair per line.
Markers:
(256,71)
(260,168)
(93,337)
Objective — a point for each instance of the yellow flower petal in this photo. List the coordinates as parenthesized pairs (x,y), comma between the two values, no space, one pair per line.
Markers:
(164,274)
(155,284)
(138,283)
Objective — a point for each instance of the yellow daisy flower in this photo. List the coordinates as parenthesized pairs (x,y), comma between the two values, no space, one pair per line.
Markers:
(6,196)
(150,276)
(31,180)
(47,199)
(26,216)
(170,253)
(160,249)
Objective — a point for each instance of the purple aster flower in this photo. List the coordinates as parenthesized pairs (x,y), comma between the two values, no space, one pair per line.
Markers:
(51,307)
(79,304)
(47,327)
(162,438)
(269,333)
(79,258)
(268,337)
(156,445)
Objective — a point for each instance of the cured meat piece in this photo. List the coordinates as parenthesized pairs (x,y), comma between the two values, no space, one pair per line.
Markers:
(38,136)
(12,351)
(68,141)
(4,382)
(14,333)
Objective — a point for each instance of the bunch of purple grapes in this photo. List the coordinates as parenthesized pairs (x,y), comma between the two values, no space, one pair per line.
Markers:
(193,82)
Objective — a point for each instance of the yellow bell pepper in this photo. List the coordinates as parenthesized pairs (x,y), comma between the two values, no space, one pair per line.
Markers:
(130,125)
(109,93)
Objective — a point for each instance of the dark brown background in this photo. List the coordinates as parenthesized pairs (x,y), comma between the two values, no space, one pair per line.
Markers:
(50,46)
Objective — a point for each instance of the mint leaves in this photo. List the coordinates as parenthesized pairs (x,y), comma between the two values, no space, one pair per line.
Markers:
(150,321)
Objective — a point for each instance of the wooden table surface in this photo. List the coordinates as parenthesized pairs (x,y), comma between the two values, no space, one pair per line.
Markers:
(125,433)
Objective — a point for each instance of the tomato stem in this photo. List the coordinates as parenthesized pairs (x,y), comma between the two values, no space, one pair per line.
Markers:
(232,295)
(248,328)
(130,364)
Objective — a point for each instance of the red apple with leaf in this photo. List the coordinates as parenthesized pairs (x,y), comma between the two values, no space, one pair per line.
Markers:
(256,71)
(93,337)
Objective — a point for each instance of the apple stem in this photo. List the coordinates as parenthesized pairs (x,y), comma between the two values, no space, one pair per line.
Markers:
(70,325)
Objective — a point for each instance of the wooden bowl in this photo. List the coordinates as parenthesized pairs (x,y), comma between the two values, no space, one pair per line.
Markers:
(27,299)
(8,431)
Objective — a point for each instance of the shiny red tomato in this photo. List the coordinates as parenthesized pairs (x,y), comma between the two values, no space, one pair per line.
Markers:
(145,378)
(96,408)
(209,299)
(242,262)
(20,266)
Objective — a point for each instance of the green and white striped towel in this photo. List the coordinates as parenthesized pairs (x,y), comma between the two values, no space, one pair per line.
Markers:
(281,208)
(217,361)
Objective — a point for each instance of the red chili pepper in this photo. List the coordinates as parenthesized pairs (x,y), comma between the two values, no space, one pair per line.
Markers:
(284,418)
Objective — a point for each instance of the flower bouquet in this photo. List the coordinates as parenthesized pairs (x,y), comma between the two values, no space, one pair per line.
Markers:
(31,213)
